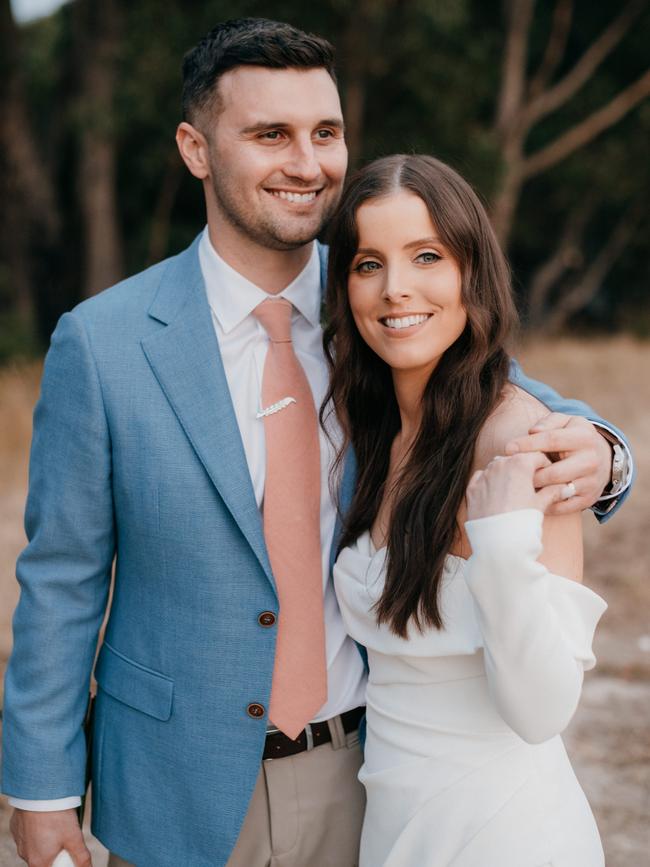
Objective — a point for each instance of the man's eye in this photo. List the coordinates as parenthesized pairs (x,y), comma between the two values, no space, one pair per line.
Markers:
(427,258)
(324,133)
(367,267)
(271,135)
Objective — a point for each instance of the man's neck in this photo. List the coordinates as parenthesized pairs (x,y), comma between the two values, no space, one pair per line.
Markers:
(271,270)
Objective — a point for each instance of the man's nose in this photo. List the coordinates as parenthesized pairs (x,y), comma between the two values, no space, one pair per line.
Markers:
(303,163)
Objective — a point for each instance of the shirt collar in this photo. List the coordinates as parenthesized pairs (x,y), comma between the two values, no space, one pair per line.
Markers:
(232,297)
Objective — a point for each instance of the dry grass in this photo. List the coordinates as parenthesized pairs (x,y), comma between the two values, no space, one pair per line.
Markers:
(614,377)
(18,393)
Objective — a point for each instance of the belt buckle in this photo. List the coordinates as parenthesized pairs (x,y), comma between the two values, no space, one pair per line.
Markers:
(310,737)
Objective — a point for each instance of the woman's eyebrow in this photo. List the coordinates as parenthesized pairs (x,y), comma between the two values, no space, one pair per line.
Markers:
(421,241)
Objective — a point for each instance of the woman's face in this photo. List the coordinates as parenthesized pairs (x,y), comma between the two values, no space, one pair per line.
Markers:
(404,286)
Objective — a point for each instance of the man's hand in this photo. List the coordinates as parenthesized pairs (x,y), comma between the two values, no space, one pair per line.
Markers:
(41,836)
(581,455)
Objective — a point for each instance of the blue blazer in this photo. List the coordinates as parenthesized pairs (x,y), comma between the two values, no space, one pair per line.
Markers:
(137,460)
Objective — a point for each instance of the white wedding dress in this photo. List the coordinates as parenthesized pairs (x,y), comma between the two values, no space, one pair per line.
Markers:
(464,765)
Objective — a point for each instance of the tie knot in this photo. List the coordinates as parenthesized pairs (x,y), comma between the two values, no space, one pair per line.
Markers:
(275,316)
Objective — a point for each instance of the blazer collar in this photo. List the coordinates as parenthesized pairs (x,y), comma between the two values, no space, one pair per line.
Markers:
(186,361)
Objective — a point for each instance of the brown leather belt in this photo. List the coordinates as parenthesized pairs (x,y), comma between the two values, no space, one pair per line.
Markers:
(278,745)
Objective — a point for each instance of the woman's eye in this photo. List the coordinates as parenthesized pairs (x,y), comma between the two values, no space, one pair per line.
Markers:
(367,267)
(427,258)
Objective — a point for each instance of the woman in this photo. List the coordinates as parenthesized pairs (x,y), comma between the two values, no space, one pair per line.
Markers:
(476,662)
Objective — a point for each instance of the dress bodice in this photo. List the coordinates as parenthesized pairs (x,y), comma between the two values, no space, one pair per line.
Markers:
(359,578)
(463,763)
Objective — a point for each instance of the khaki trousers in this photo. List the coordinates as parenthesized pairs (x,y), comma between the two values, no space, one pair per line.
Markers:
(306,810)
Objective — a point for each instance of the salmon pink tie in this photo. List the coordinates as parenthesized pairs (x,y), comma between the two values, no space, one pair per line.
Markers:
(292,525)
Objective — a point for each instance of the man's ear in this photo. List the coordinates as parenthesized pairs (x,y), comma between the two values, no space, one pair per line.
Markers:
(193,148)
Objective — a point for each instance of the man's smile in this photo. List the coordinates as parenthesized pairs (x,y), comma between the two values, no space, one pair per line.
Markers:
(295,197)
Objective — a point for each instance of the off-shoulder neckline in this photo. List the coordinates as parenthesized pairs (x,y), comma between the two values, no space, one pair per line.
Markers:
(374,551)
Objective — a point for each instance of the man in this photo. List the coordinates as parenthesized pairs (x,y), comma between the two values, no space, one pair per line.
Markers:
(160,443)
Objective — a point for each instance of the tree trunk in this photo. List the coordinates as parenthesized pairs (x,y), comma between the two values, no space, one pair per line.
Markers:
(162,213)
(97,34)
(577,296)
(32,240)
(567,256)
(367,28)
(520,106)
(506,200)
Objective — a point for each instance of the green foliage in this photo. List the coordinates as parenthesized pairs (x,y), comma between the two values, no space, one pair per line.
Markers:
(17,339)
(432,78)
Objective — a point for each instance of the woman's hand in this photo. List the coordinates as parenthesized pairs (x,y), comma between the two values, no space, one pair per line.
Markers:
(584,458)
(506,485)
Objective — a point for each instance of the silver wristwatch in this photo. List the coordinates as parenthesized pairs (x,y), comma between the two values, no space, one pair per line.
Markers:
(620,469)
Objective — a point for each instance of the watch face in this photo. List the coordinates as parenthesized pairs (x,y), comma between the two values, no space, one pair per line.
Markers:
(619,468)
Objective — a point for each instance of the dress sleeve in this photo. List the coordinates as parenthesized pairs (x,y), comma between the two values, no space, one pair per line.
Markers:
(537,627)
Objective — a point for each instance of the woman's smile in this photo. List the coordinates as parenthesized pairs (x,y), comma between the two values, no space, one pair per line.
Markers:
(404,324)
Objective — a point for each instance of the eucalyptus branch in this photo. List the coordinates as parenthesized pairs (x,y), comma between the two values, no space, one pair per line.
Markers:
(555,47)
(587,130)
(557,95)
(581,293)
(513,70)
(566,256)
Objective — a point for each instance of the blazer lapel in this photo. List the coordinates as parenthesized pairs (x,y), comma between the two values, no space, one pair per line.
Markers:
(186,361)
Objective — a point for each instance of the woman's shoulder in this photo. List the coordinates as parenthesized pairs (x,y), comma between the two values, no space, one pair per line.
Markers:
(517,412)
(513,417)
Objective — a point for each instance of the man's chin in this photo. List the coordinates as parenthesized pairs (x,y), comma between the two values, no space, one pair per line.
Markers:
(288,244)
(292,239)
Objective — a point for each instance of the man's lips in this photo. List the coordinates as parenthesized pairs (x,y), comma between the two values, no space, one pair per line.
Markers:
(296,197)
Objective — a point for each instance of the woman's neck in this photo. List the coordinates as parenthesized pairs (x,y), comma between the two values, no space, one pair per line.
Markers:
(409,389)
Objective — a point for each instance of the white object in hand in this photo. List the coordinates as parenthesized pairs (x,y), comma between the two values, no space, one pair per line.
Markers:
(63,859)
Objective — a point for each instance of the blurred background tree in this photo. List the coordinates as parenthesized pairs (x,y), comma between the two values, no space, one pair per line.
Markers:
(543,106)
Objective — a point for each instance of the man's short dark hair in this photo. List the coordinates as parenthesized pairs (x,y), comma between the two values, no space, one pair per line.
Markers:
(247,42)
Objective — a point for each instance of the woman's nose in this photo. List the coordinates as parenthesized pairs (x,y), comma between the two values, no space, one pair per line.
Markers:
(395,287)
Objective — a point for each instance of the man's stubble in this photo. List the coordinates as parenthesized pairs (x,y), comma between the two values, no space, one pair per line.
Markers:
(264,228)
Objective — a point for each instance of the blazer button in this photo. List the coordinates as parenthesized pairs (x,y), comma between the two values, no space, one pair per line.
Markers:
(255,710)
(266,618)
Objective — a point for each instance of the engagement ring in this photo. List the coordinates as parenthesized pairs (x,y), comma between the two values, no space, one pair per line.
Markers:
(569,491)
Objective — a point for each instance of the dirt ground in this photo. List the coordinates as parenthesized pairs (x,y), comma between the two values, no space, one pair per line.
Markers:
(609,739)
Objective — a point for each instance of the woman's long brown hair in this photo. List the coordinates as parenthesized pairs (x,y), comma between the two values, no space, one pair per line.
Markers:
(466,385)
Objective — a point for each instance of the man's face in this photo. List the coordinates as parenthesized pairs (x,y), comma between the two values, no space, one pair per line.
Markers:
(277,153)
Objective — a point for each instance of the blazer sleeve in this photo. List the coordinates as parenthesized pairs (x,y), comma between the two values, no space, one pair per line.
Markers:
(64,575)
(556,403)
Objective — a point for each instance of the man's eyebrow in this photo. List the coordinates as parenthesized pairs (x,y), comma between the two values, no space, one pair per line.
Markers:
(336,122)
(263,125)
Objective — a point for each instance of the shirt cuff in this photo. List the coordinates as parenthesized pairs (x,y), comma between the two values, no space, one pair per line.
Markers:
(46,806)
